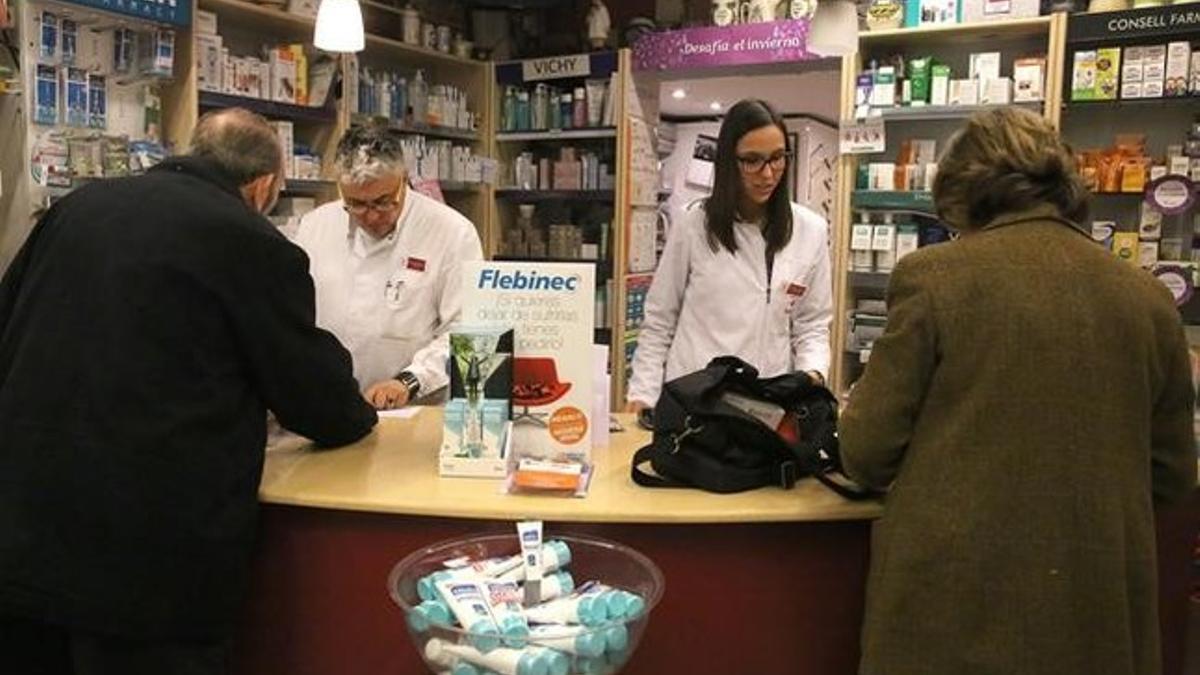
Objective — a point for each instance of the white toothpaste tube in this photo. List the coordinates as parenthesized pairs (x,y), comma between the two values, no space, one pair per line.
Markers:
(480,569)
(577,608)
(470,606)
(529,533)
(505,601)
(554,586)
(555,556)
(576,640)
(504,661)
(428,613)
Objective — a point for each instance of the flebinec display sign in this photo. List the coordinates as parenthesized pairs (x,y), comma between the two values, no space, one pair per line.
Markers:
(738,45)
(550,307)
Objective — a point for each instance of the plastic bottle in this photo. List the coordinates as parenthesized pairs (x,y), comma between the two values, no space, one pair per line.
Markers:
(567,108)
(510,109)
(579,111)
(523,121)
(554,110)
(541,105)
(418,95)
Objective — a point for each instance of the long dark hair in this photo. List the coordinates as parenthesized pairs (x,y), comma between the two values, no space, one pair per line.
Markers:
(721,208)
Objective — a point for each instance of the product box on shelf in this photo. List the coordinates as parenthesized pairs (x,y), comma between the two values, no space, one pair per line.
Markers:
(931,12)
(1029,77)
(282,63)
(1108,73)
(997,91)
(476,423)
(205,23)
(964,92)
(992,10)
(1154,71)
(1125,246)
(939,86)
(210,63)
(1179,57)
(1131,72)
(985,66)
(1083,75)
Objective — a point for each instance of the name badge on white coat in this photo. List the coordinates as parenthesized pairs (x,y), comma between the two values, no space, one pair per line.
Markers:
(794,293)
(393,290)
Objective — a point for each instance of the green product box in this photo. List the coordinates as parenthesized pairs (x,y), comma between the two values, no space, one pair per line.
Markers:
(919,74)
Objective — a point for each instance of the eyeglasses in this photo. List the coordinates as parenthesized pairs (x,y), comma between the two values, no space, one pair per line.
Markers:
(754,163)
(379,205)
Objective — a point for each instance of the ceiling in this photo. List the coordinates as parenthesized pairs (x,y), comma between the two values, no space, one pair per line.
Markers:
(813,92)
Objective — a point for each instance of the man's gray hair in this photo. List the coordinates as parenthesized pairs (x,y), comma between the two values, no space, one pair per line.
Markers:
(241,143)
(369,152)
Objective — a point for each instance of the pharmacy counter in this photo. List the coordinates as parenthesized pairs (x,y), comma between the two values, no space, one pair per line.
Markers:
(788,567)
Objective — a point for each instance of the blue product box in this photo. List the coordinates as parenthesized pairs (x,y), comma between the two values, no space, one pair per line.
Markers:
(75,94)
(46,95)
(97,102)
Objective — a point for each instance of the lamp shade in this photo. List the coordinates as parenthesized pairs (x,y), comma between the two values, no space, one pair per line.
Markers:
(834,30)
(339,26)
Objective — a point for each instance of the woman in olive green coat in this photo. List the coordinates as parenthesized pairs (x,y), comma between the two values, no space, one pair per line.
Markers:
(1030,398)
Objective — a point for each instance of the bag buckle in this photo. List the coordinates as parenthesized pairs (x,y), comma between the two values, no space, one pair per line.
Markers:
(677,439)
(788,474)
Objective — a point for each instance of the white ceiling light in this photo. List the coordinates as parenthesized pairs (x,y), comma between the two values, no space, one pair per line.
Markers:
(715,105)
(339,26)
(834,30)
(678,94)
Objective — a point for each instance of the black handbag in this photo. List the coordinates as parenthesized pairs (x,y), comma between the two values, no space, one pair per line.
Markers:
(705,438)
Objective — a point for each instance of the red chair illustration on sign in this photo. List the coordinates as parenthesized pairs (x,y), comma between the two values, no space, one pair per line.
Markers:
(535,383)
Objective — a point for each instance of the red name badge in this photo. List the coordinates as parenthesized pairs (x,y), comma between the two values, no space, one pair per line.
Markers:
(416,264)
(796,290)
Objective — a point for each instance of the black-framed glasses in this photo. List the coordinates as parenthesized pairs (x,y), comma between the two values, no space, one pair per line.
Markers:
(754,163)
(379,205)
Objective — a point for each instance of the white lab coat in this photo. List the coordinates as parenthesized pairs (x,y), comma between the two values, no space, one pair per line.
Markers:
(390,301)
(703,304)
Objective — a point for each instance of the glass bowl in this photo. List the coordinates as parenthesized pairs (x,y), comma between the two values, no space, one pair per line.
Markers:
(601,647)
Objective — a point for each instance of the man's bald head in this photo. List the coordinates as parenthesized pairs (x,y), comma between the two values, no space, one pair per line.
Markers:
(242,143)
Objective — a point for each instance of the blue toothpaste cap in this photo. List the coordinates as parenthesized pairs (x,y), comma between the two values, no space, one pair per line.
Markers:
(590,644)
(463,668)
(531,663)
(566,581)
(515,630)
(427,586)
(616,638)
(557,663)
(484,636)
(561,550)
(617,605)
(634,604)
(592,610)
(591,666)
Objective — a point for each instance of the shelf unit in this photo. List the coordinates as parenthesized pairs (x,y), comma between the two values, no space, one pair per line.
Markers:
(949,44)
(601,213)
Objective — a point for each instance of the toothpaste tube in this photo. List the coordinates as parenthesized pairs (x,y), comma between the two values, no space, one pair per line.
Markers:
(470,606)
(555,556)
(529,661)
(505,601)
(575,640)
(465,571)
(554,586)
(529,533)
(577,608)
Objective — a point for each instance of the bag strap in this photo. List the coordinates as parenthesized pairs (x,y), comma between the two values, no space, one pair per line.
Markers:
(709,474)
(849,490)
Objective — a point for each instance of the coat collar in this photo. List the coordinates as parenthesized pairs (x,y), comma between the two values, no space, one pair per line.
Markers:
(204,169)
(1041,212)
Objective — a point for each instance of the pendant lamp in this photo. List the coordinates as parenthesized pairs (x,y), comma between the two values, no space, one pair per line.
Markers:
(834,30)
(339,26)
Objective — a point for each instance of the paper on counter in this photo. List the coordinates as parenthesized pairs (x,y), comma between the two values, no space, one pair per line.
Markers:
(400,413)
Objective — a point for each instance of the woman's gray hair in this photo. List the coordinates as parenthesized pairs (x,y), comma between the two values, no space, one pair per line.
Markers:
(243,144)
(370,152)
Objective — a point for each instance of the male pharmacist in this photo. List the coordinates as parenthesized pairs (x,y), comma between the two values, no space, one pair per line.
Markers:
(146,327)
(387,265)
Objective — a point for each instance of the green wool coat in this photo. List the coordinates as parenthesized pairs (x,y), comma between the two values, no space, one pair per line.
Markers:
(1029,395)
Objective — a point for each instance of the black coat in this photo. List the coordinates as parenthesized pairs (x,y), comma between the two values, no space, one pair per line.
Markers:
(146,327)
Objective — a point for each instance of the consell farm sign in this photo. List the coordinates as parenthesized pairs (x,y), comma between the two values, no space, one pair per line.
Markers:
(743,44)
(1149,22)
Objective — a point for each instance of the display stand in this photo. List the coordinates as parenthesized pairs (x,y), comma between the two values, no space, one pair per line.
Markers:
(859,288)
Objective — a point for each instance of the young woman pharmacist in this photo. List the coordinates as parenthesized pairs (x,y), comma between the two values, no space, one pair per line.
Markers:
(746,272)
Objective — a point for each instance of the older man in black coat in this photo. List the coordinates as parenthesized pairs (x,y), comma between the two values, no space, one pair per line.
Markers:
(146,328)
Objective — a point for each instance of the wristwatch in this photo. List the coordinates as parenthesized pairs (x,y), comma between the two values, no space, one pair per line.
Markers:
(410,381)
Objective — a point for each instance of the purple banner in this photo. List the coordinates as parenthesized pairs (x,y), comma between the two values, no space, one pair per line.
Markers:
(740,45)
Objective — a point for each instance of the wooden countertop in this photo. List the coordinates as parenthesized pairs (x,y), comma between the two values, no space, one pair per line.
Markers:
(394,470)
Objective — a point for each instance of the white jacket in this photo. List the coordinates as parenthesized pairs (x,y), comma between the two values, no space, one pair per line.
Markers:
(703,304)
(391,301)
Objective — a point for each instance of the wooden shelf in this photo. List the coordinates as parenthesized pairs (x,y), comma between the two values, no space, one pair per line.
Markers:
(955,33)
(451,133)
(945,112)
(556,195)
(270,109)
(413,54)
(556,135)
(459,186)
(271,19)
(1116,104)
